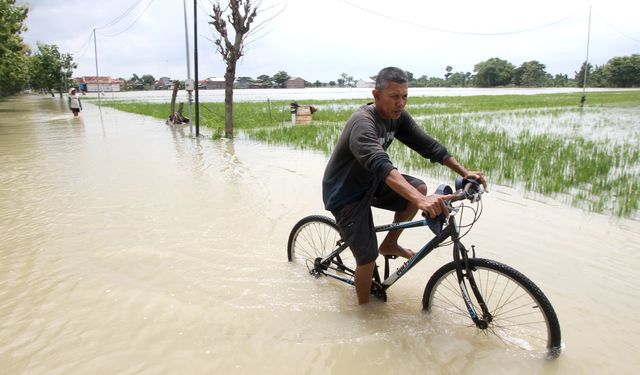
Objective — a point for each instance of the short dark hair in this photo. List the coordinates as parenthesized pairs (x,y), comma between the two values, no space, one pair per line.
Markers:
(392,74)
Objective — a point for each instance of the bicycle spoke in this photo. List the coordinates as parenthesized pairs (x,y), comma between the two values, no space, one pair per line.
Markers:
(315,237)
(516,318)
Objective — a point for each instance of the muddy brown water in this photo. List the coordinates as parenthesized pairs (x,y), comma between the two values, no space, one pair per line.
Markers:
(129,247)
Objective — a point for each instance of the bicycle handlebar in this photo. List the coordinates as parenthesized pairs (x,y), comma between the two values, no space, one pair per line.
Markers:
(467,188)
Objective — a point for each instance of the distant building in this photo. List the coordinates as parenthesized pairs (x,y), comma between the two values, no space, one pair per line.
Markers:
(163,83)
(243,82)
(214,83)
(101,84)
(295,83)
(365,83)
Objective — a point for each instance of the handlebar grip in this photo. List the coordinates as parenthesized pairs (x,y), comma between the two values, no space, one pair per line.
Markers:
(462,182)
(436,223)
(444,190)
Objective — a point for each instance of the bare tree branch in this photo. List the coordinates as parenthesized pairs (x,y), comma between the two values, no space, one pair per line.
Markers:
(240,14)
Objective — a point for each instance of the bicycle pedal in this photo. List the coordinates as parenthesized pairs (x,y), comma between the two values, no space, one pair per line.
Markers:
(379,293)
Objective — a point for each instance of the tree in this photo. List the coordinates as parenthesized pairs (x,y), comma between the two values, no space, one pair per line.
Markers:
(599,77)
(623,71)
(148,81)
(264,80)
(135,83)
(345,79)
(493,72)
(579,75)
(68,66)
(50,69)
(596,77)
(448,74)
(14,61)
(240,15)
(530,74)
(281,78)
(420,82)
(560,80)
(458,79)
(244,82)
(409,75)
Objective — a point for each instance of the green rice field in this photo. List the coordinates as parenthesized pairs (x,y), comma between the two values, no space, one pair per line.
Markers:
(544,145)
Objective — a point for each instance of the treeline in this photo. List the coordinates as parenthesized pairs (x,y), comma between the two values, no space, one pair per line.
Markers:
(621,71)
(617,72)
(44,69)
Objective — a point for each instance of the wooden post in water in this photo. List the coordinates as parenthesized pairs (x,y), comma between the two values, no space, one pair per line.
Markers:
(176,86)
(195,63)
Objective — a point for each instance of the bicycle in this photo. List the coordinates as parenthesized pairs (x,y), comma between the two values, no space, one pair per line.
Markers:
(476,292)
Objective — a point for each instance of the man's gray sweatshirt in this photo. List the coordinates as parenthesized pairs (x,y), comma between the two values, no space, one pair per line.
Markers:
(360,162)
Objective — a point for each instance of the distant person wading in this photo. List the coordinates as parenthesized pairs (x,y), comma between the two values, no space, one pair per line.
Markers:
(74,103)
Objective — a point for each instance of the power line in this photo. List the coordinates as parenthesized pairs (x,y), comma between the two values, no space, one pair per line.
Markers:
(120,17)
(208,15)
(84,47)
(616,29)
(432,28)
(134,22)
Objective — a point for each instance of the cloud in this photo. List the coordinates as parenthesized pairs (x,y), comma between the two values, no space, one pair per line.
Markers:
(319,40)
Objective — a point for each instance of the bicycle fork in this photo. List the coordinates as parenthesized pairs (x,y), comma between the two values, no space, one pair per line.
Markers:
(464,271)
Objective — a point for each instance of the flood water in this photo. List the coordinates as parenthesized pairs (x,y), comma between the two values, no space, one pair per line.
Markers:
(326,93)
(128,247)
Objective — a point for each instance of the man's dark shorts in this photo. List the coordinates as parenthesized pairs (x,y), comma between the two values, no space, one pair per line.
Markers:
(355,220)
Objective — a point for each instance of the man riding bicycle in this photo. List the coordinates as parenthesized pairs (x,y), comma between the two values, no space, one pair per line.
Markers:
(360,174)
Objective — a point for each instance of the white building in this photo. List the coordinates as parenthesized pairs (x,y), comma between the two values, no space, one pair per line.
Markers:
(102,84)
(365,83)
(215,83)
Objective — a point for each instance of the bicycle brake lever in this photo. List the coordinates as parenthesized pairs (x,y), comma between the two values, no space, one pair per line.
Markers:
(475,197)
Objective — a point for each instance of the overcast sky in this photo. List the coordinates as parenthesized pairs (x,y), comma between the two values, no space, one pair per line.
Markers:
(321,39)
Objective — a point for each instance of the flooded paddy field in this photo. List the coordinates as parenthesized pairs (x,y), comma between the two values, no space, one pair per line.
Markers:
(127,246)
(545,146)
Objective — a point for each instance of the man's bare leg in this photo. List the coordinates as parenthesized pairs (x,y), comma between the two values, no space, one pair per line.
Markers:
(389,245)
(363,278)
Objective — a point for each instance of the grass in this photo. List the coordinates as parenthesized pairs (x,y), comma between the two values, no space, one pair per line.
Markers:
(545,144)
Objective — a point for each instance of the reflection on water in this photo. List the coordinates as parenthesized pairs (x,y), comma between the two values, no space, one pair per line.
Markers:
(127,246)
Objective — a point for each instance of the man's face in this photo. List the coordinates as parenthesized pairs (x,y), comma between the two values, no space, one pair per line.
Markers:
(391,101)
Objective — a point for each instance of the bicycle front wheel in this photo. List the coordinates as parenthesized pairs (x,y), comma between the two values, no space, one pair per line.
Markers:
(313,238)
(520,315)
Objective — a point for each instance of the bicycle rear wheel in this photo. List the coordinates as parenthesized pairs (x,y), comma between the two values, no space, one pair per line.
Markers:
(521,316)
(313,238)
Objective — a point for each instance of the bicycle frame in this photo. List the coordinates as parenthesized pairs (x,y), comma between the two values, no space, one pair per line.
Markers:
(459,257)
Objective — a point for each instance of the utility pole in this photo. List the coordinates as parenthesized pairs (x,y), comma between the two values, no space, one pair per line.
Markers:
(95,50)
(186,43)
(586,64)
(195,63)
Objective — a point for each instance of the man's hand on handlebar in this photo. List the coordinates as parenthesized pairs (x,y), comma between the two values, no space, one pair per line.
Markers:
(478,176)
(434,205)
